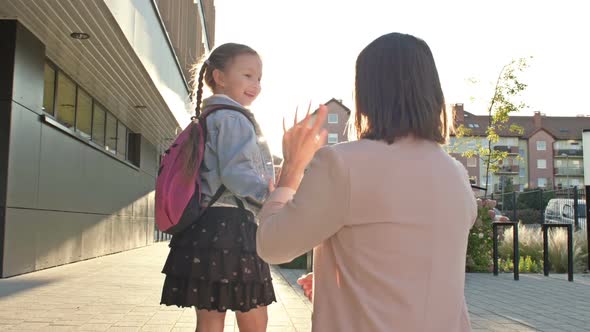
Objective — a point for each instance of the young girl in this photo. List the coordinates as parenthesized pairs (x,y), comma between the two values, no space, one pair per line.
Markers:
(213,265)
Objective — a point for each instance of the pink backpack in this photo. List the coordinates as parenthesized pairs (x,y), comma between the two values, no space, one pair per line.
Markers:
(178,194)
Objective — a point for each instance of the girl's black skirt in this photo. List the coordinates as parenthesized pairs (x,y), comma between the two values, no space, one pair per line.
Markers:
(213,264)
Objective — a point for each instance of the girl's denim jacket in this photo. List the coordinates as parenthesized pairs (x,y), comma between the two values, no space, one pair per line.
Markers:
(236,157)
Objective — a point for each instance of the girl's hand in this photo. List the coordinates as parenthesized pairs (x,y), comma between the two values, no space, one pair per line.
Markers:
(300,143)
(306,283)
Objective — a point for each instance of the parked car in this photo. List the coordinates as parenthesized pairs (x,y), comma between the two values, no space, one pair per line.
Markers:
(499,216)
(562,210)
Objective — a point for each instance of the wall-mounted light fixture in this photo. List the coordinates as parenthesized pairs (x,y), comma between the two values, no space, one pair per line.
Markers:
(79,35)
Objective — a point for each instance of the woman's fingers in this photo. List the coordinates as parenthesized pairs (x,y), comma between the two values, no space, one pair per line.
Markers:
(322,137)
(321,116)
(284,126)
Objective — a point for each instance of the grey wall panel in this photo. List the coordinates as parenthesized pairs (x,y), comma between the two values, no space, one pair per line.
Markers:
(97,237)
(23,164)
(20,245)
(76,177)
(7,49)
(151,228)
(140,207)
(58,238)
(29,65)
(41,239)
(151,204)
(62,183)
(149,158)
(5,115)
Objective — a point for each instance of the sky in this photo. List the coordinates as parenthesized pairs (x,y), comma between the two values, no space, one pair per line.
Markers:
(309,49)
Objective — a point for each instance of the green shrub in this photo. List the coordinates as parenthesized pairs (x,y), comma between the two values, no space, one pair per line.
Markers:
(479,246)
(526,265)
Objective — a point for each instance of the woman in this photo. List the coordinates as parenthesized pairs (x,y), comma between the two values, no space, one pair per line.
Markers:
(388,215)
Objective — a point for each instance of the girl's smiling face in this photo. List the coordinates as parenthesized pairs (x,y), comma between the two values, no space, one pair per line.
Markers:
(240,80)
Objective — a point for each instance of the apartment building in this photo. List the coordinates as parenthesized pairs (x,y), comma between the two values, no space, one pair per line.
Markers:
(548,154)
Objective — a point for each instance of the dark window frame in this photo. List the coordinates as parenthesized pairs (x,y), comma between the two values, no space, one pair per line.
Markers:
(91,110)
(56,91)
(51,119)
(55,70)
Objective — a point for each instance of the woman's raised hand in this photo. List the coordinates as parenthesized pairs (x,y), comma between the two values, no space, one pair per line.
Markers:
(300,143)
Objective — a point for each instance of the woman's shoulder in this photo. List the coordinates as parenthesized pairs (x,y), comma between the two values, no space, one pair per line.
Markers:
(355,149)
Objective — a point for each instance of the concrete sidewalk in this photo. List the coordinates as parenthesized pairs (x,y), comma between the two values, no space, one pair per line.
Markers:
(121,292)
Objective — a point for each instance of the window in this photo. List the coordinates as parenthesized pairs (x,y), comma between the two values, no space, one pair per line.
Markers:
(111,138)
(332,118)
(134,148)
(511,141)
(576,163)
(522,172)
(472,162)
(49,90)
(575,182)
(66,100)
(98,124)
(521,153)
(84,114)
(541,145)
(67,103)
(332,138)
(541,182)
(541,163)
(470,125)
(121,140)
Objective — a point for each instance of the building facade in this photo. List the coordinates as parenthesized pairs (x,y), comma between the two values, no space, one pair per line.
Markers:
(336,123)
(91,92)
(547,154)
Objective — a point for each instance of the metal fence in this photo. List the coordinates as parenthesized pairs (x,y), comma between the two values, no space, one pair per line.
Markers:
(545,206)
(535,207)
(159,236)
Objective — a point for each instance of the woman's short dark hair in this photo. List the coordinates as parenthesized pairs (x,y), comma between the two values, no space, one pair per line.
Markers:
(398,92)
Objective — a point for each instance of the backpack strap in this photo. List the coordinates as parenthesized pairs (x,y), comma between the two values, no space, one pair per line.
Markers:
(217,195)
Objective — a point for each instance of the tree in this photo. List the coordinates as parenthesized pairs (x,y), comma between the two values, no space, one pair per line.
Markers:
(507,189)
(502,104)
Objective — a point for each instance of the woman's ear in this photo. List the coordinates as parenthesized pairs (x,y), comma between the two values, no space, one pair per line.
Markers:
(219,78)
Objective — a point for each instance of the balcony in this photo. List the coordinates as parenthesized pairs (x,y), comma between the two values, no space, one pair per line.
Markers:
(514,169)
(569,171)
(512,150)
(568,153)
